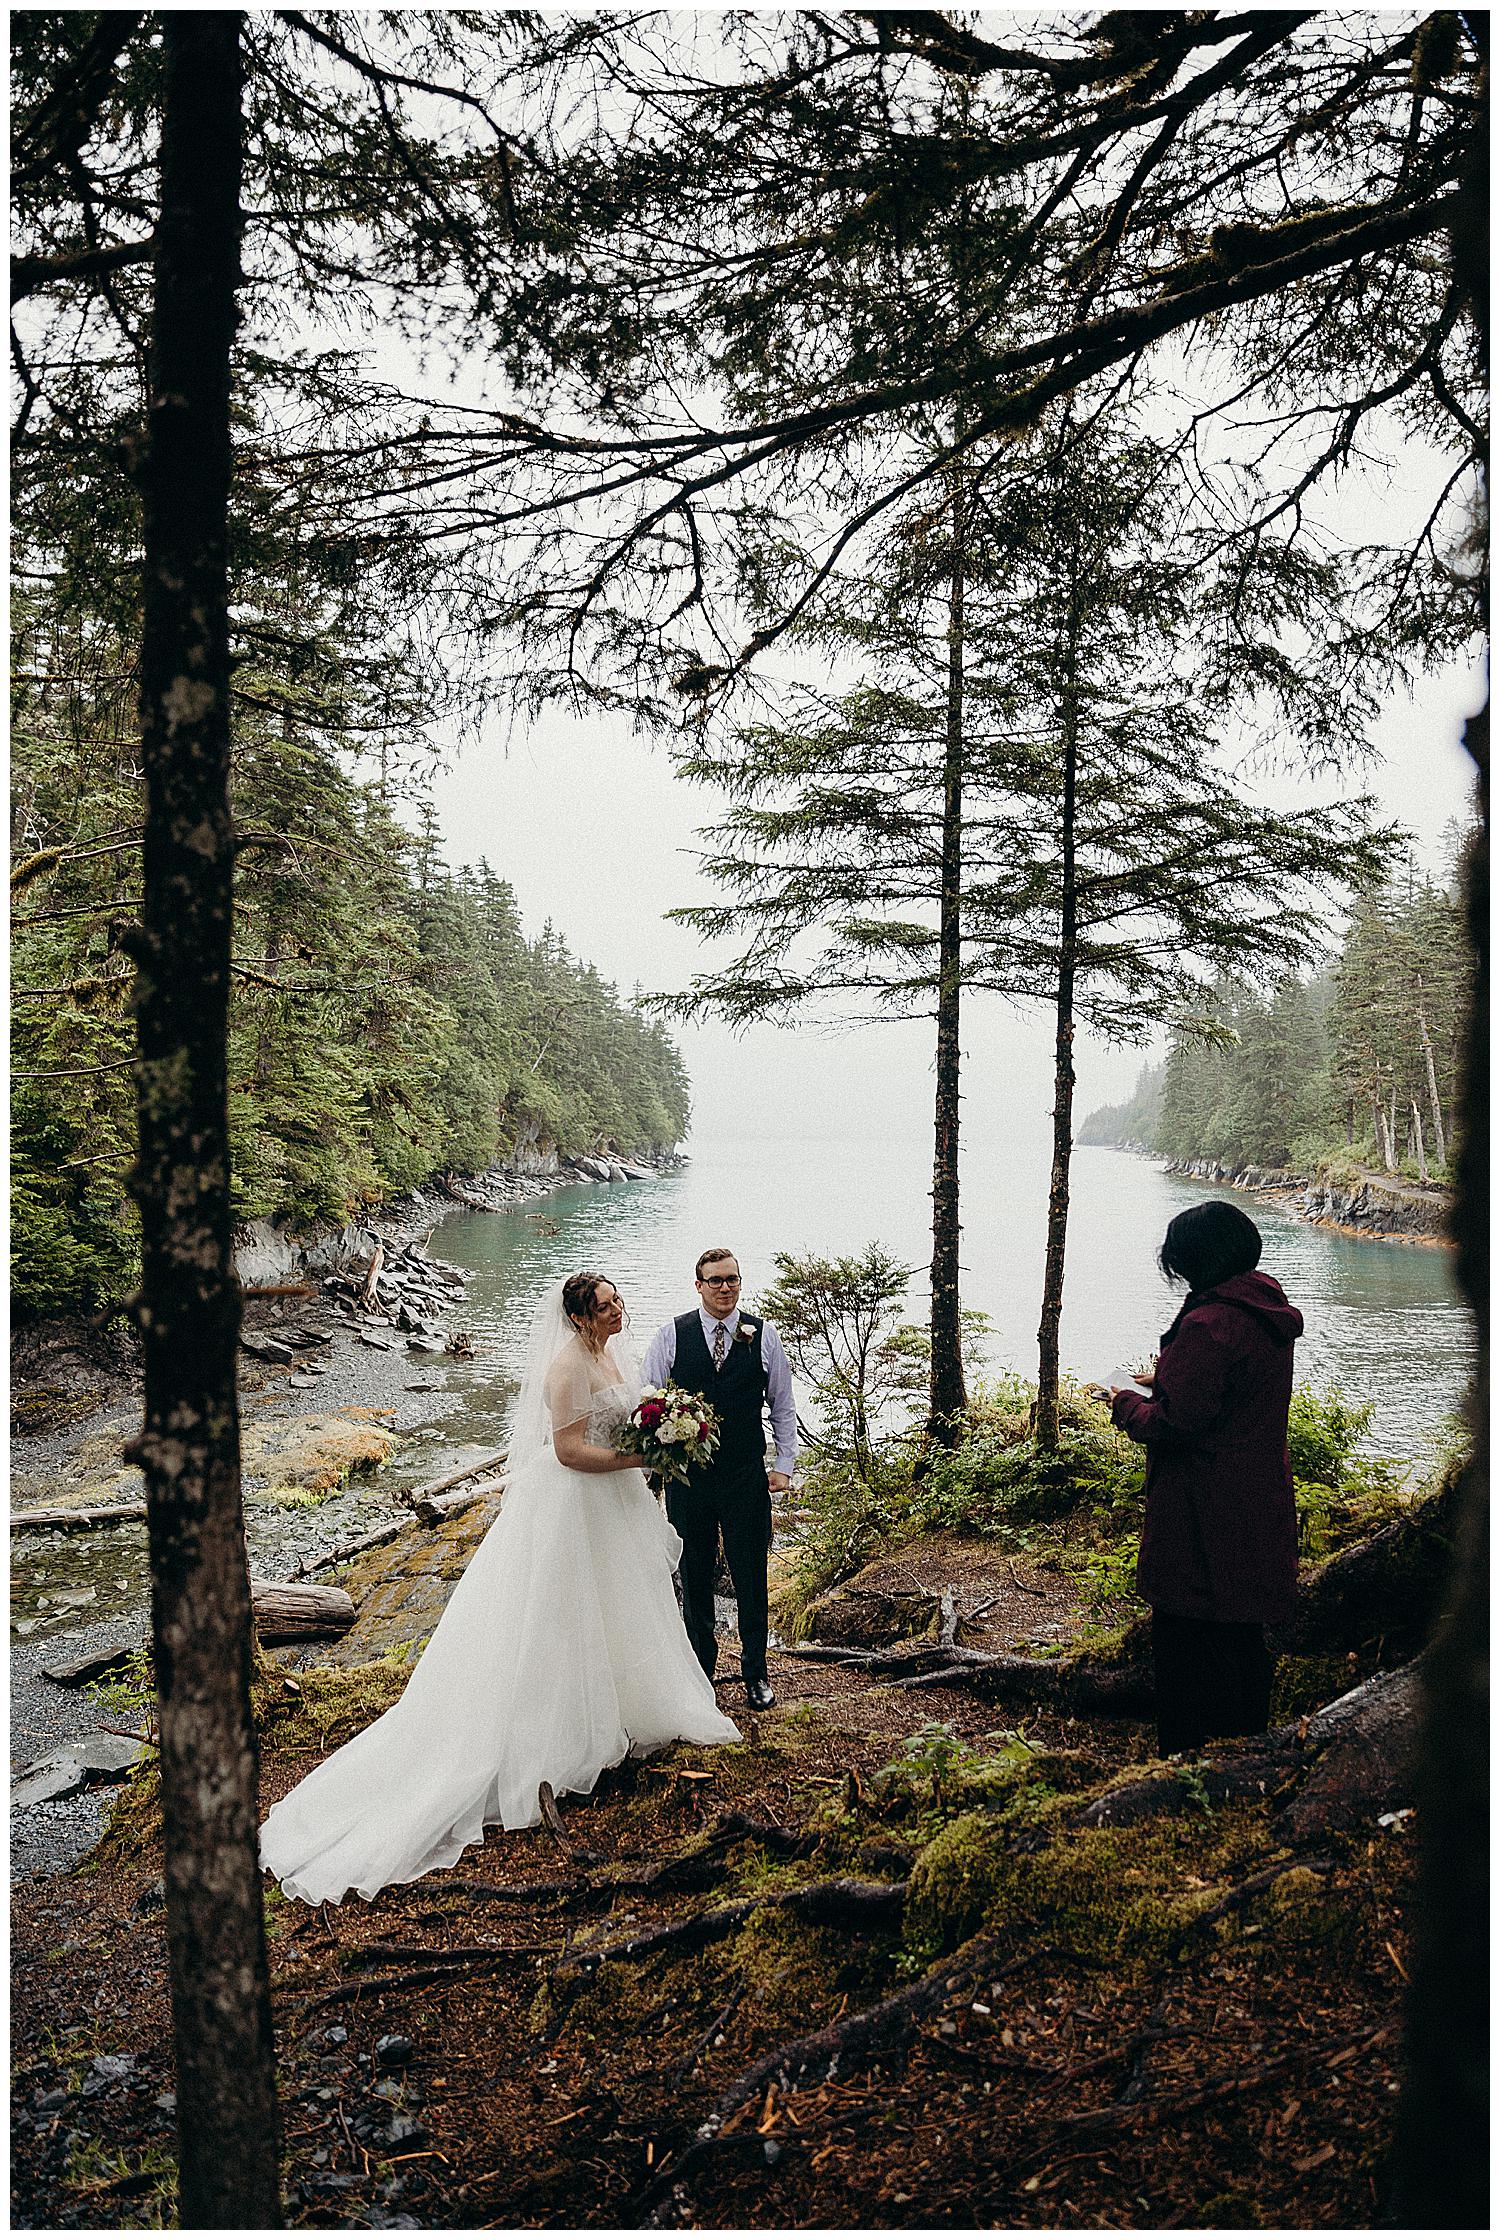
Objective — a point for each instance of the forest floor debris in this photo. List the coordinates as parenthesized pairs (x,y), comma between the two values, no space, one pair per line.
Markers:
(1023,2037)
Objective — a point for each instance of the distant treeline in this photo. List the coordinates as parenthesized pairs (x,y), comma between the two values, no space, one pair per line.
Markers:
(389,1018)
(1357,1065)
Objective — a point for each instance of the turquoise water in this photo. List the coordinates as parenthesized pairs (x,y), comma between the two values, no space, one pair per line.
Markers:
(1383,1321)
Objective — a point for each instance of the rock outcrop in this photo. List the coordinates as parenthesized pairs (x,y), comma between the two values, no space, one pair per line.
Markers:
(1367,1203)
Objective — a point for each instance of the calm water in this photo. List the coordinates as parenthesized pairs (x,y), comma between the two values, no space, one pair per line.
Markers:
(1383,1321)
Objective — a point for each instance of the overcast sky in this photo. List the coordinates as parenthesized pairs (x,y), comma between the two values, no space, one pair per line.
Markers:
(587,822)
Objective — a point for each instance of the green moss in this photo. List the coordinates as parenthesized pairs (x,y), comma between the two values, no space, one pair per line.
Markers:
(1304,1684)
(1230,2212)
(1304,1908)
(1121,1894)
(799,1973)
(330,1705)
(134,1829)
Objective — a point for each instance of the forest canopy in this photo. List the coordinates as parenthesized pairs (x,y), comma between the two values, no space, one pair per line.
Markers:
(389,1018)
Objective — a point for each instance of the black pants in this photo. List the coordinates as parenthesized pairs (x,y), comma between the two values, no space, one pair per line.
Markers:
(1212,1680)
(741,1512)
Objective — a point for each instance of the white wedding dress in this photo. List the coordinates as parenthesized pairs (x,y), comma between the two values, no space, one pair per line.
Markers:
(561,1651)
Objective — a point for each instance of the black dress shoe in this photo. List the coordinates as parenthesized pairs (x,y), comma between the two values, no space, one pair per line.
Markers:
(760,1694)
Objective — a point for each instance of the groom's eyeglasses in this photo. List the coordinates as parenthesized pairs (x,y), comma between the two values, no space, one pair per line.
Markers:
(718,1283)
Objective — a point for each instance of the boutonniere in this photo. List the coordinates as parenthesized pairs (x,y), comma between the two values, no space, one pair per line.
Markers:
(745,1335)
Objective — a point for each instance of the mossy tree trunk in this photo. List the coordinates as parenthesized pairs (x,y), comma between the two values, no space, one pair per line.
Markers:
(1049,1330)
(189,1306)
(947,1396)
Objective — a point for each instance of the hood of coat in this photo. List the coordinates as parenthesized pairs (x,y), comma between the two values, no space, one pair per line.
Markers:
(1262,1296)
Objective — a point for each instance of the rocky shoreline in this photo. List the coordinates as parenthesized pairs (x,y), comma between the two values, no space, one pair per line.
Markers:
(271,1252)
(1382,1208)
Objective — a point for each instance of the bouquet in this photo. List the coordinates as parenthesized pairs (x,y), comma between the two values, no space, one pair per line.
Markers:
(670,1431)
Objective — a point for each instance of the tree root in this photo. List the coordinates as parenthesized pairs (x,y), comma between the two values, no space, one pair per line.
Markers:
(1390,1588)
(1337,1770)
(412,1979)
(843,1904)
(698,1868)
(705,2039)
(1238,1900)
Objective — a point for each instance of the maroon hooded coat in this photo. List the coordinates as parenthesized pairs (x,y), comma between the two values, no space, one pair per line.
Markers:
(1220,1536)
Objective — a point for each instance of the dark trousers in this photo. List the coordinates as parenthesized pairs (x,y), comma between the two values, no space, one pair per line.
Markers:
(741,1512)
(1212,1680)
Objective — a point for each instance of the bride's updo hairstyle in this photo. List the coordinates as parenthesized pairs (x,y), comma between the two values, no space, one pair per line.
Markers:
(578,1296)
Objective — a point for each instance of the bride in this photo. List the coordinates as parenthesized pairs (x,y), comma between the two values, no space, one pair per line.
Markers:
(561,1651)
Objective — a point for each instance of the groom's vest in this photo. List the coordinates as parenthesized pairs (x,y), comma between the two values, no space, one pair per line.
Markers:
(737,1393)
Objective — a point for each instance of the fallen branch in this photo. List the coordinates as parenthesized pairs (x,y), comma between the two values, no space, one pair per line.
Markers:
(348,1549)
(1121,1686)
(431,1491)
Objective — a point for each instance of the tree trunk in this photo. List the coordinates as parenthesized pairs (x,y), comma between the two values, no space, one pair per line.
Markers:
(1439,1139)
(189,1302)
(1383,1142)
(1442,2161)
(947,1396)
(1416,1136)
(1047,1426)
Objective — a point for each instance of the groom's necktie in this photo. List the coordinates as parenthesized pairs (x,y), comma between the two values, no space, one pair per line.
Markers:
(718,1347)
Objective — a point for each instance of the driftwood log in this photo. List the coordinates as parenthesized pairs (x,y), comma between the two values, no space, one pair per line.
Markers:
(286,1611)
(436,1508)
(76,1520)
(348,1549)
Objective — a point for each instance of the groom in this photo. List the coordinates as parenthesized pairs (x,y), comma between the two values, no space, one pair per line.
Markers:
(736,1363)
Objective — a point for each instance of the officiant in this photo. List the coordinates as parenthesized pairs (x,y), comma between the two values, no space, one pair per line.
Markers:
(737,1364)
